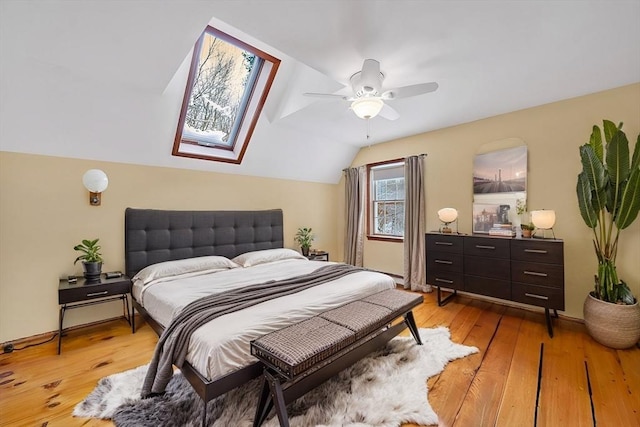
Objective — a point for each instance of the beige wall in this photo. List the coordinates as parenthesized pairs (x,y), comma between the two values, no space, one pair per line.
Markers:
(553,133)
(44,212)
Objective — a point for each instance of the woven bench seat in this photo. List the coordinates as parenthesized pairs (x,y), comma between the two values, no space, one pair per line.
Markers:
(299,357)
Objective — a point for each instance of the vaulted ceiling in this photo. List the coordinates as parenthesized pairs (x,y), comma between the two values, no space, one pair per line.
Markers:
(104,80)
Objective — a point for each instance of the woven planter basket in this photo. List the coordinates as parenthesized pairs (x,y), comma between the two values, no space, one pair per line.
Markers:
(614,325)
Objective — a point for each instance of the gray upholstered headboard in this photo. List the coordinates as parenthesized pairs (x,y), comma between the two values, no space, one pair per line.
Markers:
(152,236)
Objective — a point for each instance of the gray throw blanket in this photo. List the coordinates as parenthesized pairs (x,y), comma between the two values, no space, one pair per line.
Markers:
(173,343)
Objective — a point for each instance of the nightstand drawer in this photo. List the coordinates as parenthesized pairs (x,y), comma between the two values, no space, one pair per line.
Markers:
(85,292)
(446,280)
(550,252)
(549,275)
(443,261)
(487,247)
(538,295)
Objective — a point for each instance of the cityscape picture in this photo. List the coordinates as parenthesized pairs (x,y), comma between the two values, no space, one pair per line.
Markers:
(503,171)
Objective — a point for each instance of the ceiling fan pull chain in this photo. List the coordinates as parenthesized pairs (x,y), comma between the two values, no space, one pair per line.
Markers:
(368,128)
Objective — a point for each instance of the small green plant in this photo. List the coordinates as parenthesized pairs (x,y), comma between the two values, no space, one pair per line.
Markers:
(521,206)
(90,251)
(529,227)
(304,237)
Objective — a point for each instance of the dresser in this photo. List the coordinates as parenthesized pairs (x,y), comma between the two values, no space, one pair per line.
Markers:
(529,271)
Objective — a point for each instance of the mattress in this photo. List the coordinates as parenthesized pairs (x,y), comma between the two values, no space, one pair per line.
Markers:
(223,345)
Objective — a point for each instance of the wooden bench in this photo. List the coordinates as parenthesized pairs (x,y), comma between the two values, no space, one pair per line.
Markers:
(302,356)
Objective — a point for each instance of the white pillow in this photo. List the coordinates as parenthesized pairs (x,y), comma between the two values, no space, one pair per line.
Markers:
(166,269)
(249,259)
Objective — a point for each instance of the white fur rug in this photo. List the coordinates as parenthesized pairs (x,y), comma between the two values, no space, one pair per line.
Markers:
(385,389)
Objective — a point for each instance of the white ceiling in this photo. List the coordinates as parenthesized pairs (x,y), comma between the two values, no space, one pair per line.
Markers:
(104,79)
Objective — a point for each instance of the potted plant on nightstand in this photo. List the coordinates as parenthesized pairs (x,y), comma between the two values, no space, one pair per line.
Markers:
(527,229)
(609,200)
(91,258)
(304,237)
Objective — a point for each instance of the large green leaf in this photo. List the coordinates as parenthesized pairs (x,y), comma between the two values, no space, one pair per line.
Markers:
(618,158)
(596,142)
(583,189)
(609,129)
(594,172)
(635,161)
(629,201)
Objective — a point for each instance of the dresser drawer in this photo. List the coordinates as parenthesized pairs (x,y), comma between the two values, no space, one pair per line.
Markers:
(84,293)
(550,252)
(487,247)
(444,261)
(489,287)
(538,295)
(445,279)
(444,243)
(550,275)
(493,268)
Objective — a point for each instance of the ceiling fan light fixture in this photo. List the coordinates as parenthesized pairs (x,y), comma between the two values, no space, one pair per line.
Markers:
(367,108)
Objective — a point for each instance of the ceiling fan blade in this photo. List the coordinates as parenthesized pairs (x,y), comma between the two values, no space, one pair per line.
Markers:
(388,112)
(326,95)
(412,90)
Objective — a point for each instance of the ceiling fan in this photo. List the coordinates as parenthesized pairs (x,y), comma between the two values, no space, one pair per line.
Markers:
(368,98)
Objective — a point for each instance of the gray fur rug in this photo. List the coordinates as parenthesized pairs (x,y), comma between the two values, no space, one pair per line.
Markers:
(385,389)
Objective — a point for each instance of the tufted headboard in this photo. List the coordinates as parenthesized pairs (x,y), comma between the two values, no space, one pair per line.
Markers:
(152,236)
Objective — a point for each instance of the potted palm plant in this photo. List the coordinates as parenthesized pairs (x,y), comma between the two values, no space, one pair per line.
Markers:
(91,258)
(304,237)
(608,191)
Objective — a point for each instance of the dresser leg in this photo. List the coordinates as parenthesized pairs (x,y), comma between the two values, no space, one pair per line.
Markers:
(441,301)
(547,315)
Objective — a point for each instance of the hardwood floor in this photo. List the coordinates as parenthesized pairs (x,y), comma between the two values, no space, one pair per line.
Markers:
(521,377)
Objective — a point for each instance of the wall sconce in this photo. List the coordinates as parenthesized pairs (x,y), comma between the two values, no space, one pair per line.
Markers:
(447,216)
(96,182)
(544,220)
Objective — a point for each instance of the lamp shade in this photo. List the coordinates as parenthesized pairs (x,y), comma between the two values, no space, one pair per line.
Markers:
(543,219)
(95,180)
(366,108)
(447,215)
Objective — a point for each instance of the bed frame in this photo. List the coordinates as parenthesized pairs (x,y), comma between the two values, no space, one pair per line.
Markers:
(153,236)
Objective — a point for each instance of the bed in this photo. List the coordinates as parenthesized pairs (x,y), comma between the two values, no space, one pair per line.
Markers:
(218,357)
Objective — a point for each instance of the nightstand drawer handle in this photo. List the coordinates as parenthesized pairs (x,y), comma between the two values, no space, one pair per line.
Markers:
(444,280)
(536,251)
(444,243)
(94,294)
(537,296)
(441,261)
(535,273)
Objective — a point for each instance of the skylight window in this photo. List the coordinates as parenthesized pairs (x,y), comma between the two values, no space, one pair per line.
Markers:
(227,86)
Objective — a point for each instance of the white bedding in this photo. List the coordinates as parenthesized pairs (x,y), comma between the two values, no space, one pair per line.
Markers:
(222,345)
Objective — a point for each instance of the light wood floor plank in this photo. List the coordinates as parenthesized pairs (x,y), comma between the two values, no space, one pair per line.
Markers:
(480,406)
(518,405)
(564,393)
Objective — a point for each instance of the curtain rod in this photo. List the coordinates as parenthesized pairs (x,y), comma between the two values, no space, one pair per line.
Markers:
(419,155)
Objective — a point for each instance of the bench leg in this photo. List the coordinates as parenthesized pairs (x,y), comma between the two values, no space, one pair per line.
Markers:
(411,323)
(278,398)
(265,403)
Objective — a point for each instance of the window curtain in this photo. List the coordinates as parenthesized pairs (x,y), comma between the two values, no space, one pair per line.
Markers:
(354,203)
(414,225)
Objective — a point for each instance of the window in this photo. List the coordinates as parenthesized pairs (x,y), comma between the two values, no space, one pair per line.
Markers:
(227,86)
(386,196)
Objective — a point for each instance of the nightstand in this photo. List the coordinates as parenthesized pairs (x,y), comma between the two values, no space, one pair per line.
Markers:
(318,256)
(85,292)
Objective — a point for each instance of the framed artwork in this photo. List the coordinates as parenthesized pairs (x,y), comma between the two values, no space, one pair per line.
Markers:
(501,171)
(484,216)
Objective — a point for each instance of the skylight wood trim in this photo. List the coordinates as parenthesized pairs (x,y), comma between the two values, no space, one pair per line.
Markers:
(251,111)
